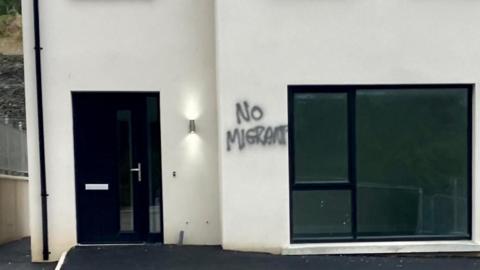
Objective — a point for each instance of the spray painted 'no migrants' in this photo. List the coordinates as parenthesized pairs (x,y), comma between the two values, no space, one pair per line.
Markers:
(256,135)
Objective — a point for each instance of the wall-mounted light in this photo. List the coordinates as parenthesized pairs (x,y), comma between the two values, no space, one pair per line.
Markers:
(191,126)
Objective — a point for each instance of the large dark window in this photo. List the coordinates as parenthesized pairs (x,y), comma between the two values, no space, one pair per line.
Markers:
(380,162)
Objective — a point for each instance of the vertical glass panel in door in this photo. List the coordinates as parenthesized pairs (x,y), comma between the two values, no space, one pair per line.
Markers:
(320,139)
(321,214)
(155,191)
(124,137)
(412,163)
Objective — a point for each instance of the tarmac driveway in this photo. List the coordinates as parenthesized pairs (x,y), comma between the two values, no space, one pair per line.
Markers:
(16,256)
(160,257)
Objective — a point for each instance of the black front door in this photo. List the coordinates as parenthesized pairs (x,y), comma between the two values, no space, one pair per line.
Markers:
(117,167)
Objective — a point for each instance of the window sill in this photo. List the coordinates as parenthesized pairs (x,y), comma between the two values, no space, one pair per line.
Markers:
(382,247)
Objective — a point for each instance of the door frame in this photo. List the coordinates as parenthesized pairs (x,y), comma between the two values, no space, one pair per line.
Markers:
(150,237)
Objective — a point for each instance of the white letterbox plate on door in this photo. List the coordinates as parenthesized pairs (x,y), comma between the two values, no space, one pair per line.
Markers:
(96,186)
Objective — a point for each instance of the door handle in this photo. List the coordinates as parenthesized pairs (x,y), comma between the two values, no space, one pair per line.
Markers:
(139,170)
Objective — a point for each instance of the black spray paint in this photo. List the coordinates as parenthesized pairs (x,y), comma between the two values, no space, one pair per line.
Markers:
(257,135)
(244,112)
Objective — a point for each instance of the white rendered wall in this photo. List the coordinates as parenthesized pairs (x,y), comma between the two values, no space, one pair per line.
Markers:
(14,217)
(263,46)
(149,45)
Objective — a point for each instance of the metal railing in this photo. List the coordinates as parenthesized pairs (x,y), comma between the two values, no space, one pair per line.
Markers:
(13,148)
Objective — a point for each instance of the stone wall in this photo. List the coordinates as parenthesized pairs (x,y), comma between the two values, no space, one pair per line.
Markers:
(12,93)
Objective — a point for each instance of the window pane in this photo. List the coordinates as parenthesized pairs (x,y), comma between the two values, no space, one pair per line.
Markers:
(320,125)
(124,136)
(412,162)
(153,133)
(324,213)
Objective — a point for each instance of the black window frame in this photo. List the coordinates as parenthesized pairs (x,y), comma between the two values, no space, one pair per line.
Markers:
(351,91)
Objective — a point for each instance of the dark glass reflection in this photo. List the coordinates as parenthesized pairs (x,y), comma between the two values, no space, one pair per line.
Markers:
(321,213)
(412,162)
(124,137)
(153,131)
(321,146)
